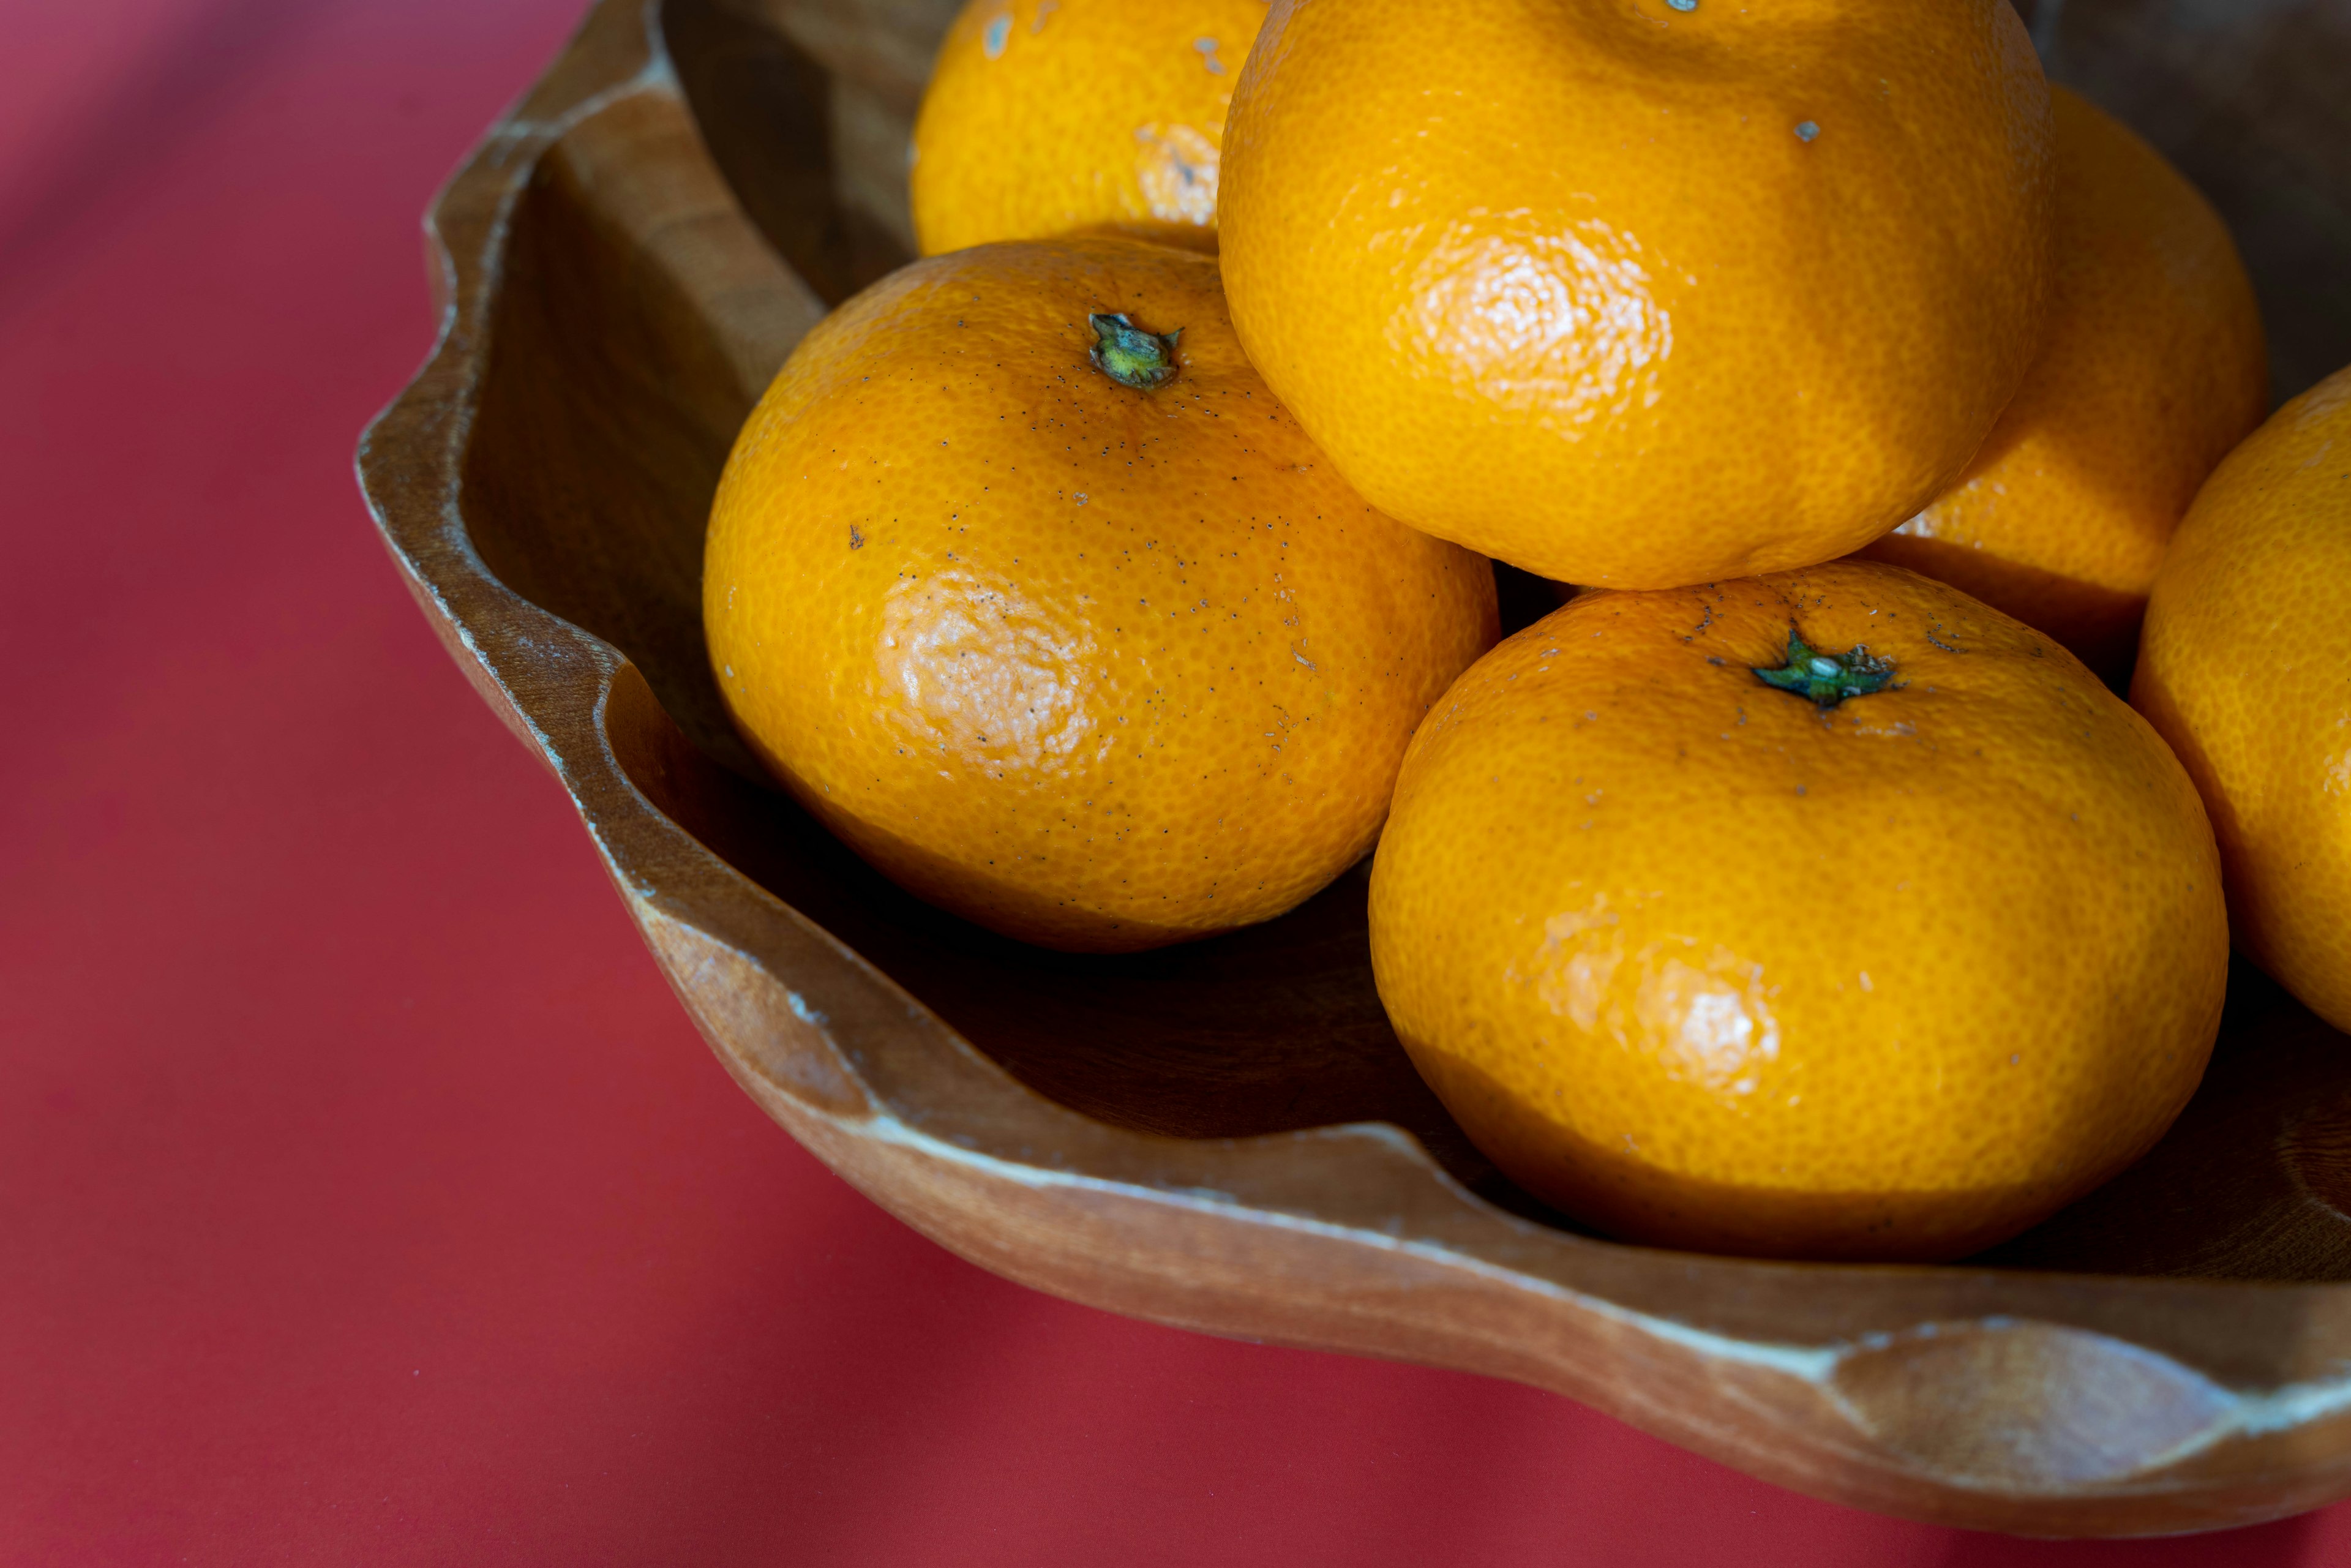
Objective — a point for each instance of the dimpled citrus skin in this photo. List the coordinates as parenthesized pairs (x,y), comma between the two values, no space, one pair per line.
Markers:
(1706,967)
(1566,280)
(1047,116)
(2245,666)
(2152,369)
(1098,668)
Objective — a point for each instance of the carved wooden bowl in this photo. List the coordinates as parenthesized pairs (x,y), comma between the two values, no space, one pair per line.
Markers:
(1227,1136)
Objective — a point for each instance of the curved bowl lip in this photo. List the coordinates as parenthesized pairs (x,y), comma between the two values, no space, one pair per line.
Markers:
(880,1067)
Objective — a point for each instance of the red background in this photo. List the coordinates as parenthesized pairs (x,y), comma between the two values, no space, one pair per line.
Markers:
(365,1195)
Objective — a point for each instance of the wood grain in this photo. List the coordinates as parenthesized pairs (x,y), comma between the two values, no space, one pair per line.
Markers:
(1226,1136)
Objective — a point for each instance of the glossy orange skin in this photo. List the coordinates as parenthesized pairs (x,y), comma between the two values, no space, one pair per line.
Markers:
(1706,967)
(2152,368)
(1564,281)
(1098,668)
(2245,666)
(1044,117)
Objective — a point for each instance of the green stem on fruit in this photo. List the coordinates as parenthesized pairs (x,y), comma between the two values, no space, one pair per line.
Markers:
(1828,679)
(1131,356)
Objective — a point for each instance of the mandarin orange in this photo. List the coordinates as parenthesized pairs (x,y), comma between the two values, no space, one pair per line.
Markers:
(1049,116)
(1890,963)
(2245,667)
(2151,370)
(1055,615)
(1639,294)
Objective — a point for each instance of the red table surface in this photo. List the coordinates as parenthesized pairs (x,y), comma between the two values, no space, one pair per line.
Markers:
(365,1195)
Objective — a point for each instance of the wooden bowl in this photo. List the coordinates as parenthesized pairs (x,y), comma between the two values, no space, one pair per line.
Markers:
(1227,1136)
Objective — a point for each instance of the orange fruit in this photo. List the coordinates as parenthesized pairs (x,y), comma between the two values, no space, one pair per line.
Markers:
(1633,294)
(1049,116)
(2152,368)
(1100,665)
(1707,964)
(2245,666)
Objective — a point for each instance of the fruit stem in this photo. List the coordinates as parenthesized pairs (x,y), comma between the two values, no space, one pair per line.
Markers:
(1828,678)
(1131,356)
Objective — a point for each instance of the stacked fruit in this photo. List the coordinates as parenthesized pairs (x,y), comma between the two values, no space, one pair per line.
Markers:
(1117,575)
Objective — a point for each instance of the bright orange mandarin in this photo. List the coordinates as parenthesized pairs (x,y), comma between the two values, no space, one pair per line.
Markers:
(2152,369)
(2245,666)
(1709,966)
(1099,667)
(1048,116)
(1638,296)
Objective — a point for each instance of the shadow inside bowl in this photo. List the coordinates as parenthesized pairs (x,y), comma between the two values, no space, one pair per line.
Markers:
(612,397)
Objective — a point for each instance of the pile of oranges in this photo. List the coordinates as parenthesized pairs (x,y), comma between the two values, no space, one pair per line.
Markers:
(1119,573)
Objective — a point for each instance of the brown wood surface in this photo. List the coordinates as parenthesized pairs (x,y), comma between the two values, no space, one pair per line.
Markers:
(1225,1135)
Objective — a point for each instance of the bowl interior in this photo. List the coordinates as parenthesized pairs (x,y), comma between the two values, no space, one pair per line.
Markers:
(612,399)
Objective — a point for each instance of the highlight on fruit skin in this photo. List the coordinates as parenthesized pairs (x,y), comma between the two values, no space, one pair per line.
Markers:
(2152,368)
(1049,117)
(1637,296)
(2244,665)
(1021,583)
(1706,962)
